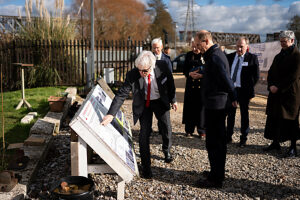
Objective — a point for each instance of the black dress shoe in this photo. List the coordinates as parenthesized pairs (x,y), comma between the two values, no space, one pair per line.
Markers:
(242,143)
(273,146)
(228,140)
(188,134)
(291,153)
(205,174)
(147,174)
(208,184)
(168,158)
(202,136)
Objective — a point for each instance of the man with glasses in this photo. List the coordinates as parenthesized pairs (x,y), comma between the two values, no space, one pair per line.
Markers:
(244,71)
(153,90)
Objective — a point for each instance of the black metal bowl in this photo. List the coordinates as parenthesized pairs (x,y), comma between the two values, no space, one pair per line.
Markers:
(74,180)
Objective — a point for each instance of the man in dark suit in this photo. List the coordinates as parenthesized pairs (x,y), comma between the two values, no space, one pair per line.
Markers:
(244,70)
(217,87)
(153,90)
(157,48)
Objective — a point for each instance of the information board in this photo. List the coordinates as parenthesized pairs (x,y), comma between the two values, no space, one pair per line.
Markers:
(114,139)
(265,53)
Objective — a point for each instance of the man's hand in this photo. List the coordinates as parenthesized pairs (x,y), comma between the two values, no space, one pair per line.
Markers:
(107,119)
(174,106)
(273,89)
(195,74)
(235,104)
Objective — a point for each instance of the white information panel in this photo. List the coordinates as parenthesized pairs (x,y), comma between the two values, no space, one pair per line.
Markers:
(114,139)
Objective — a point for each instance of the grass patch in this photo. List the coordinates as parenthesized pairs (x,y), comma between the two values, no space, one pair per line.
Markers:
(14,131)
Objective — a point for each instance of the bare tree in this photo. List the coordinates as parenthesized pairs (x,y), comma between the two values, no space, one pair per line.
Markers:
(162,21)
(114,20)
(294,25)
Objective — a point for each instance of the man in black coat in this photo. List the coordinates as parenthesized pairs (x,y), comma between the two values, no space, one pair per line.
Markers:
(244,71)
(218,89)
(153,90)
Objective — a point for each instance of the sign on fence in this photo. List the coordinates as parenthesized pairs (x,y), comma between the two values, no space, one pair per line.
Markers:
(265,53)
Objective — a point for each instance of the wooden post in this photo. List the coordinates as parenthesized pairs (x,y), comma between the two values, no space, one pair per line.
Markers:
(23,100)
(121,188)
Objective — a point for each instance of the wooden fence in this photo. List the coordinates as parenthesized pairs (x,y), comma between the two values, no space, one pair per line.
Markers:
(64,62)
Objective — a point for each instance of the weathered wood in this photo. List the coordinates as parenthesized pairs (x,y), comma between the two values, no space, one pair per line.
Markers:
(79,158)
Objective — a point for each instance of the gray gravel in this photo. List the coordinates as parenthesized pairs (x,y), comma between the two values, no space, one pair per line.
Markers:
(250,172)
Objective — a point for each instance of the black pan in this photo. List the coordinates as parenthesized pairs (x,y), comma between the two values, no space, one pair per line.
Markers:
(76,180)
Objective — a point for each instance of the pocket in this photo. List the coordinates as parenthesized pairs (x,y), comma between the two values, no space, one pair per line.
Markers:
(217,101)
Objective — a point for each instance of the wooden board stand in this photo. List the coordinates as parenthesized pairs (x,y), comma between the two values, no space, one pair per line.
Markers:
(113,143)
(23,100)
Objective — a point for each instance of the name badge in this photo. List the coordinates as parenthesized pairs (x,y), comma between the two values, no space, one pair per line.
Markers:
(164,80)
(244,63)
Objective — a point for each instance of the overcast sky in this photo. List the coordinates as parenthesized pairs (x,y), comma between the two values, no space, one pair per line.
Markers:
(234,16)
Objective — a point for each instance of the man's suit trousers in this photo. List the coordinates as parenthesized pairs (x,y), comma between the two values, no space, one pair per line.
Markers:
(244,111)
(163,117)
(216,143)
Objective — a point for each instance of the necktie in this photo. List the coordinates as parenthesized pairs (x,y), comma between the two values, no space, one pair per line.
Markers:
(148,91)
(236,70)
(157,57)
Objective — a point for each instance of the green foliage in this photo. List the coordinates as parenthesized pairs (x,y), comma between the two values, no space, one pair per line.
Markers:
(162,20)
(46,27)
(14,131)
(43,75)
(294,25)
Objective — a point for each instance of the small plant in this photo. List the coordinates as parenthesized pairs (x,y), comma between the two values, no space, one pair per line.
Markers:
(46,26)
(43,75)
(41,26)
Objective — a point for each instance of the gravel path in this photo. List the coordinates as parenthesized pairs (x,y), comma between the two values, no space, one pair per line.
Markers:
(250,172)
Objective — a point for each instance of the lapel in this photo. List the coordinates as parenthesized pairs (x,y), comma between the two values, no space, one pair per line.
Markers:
(157,73)
(141,83)
(231,59)
(246,57)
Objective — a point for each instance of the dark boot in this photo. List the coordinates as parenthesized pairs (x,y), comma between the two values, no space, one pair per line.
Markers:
(168,157)
(146,173)
(273,146)
(291,153)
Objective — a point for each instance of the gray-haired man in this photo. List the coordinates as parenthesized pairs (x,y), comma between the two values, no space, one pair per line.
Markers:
(157,47)
(153,90)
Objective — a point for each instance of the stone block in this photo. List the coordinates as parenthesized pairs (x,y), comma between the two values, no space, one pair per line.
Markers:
(28,118)
(17,193)
(66,107)
(35,140)
(56,118)
(72,91)
(42,127)
(15,146)
(34,152)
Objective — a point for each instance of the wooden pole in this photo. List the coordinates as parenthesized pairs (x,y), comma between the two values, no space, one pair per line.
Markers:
(3,135)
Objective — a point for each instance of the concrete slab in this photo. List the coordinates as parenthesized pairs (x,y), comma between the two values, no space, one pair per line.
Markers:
(15,146)
(35,140)
(72,91)
(42,127)
(56,118)
(67,105)
(17,193)
(28,118)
